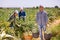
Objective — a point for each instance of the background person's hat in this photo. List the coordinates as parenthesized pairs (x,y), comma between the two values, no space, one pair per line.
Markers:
(21,8)
(16,11)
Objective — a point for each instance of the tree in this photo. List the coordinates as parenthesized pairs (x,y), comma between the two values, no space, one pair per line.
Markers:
(0,7)
(56,7)
(37,7)
(33,7)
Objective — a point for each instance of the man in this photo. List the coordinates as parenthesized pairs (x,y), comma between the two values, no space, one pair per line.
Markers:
(42,20)
(12,18)
(22,14)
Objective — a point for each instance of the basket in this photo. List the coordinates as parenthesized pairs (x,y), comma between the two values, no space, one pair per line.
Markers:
(35,35)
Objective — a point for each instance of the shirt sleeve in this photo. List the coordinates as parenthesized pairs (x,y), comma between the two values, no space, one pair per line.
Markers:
(24,13)
(19,14)
(11,17)
(46,18)
(37,17)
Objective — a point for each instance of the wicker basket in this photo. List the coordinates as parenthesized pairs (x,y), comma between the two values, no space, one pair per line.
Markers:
(35,35)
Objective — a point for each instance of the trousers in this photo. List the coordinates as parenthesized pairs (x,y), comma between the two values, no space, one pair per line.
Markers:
(41,28)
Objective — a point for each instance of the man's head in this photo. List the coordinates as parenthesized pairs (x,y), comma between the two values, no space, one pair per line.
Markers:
(41,8)
(21,8)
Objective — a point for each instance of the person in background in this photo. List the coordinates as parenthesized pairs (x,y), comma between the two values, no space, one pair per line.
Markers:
(12,18)
(41,20)
(22,14)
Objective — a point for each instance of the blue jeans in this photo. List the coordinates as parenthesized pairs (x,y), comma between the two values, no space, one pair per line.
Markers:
(41,27)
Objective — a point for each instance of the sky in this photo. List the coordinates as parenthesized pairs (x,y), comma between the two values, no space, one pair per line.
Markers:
(29,3)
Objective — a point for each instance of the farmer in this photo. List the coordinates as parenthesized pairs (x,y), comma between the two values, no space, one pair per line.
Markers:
(42,20)
(22,14)
(12,18)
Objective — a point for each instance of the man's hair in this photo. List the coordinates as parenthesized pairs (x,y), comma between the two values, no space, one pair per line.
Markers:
(41,6)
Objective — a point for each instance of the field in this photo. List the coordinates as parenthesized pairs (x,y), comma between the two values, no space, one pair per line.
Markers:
(29,24)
